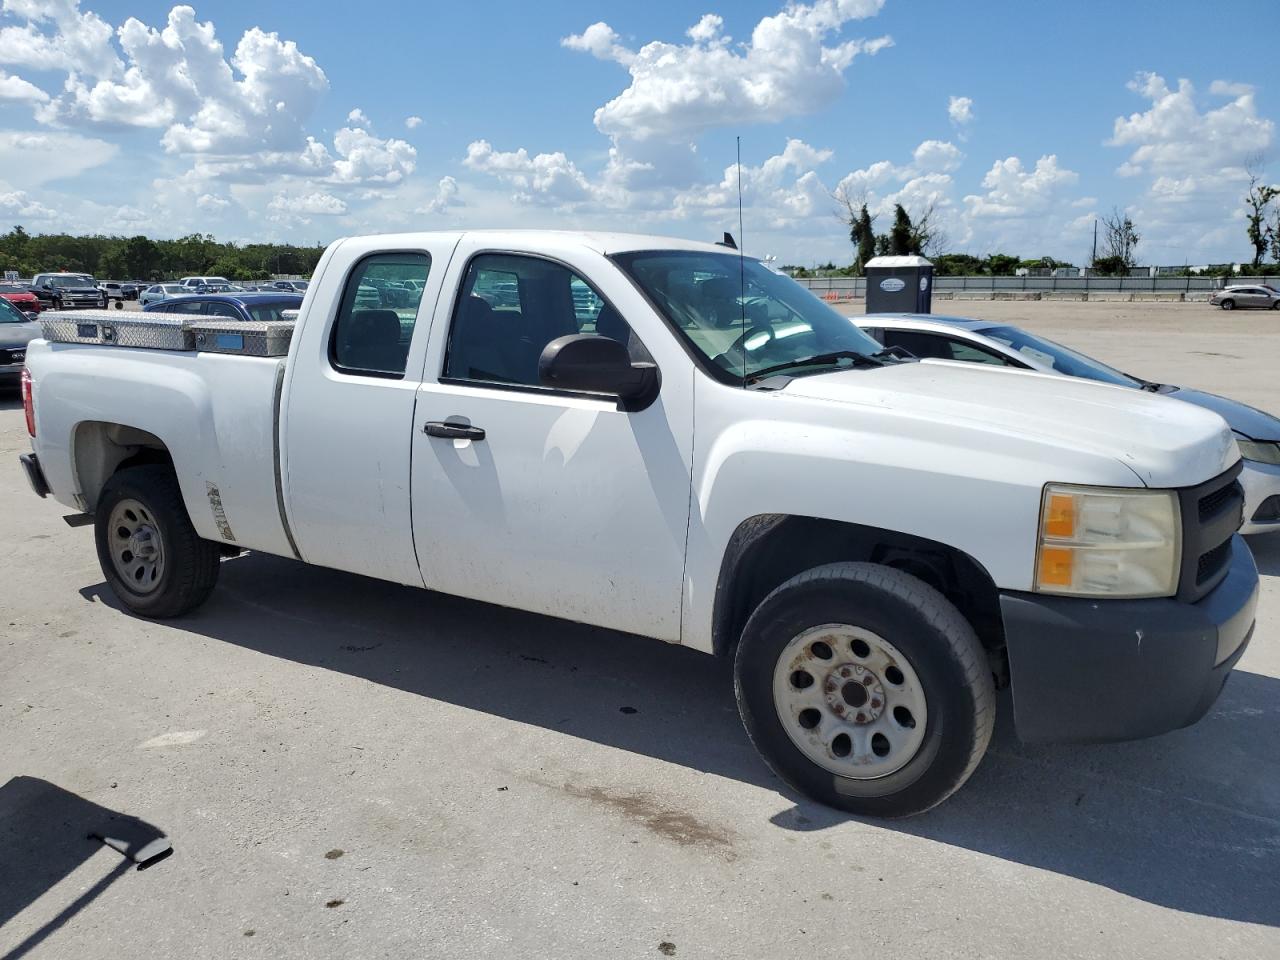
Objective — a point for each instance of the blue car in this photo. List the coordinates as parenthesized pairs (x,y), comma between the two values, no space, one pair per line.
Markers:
(236,306)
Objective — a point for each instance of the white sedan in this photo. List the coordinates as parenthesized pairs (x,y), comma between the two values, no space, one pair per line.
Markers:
(929,336)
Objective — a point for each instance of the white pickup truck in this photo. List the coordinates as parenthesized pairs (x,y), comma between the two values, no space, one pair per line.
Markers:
(665,438)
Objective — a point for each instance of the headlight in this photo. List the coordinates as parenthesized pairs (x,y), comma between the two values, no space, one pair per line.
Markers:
(1260,451)
(1099,541)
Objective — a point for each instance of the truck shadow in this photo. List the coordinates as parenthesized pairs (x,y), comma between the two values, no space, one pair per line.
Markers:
(1189,821)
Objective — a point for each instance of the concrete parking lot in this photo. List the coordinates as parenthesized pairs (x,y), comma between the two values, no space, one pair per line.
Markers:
(352,769)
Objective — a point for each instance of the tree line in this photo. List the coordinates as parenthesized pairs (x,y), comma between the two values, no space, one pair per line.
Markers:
(141,258)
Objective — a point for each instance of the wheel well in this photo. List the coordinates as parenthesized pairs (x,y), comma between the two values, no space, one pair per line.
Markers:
(767,550)
(100,449)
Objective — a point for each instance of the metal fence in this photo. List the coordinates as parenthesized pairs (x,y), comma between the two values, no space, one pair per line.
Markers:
(848,288)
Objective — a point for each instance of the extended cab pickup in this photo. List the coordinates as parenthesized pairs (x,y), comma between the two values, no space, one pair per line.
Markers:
(665,438)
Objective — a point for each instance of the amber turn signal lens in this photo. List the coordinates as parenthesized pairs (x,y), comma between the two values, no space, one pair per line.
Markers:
(1056,566)
(1060,518)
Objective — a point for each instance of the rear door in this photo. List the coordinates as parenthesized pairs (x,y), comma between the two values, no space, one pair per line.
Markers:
(348,406)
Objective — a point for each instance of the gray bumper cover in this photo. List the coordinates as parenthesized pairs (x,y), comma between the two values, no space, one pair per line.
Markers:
(1087,670)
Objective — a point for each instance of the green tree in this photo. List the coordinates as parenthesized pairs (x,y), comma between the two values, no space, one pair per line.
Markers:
(1257,200)
(141,257)
(901,236)
(1000,264)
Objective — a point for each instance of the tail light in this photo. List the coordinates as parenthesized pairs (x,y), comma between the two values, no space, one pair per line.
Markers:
(28,405)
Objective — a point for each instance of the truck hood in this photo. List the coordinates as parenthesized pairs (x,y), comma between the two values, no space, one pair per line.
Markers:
(1165,443)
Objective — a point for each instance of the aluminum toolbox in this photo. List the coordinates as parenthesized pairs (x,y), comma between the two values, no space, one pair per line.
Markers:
(152,331)
(265,338)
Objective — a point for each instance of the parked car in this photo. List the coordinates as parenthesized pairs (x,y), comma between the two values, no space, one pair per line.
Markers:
(20,295)
(296,286)
(875,541)
(1260,296)
(193,283)
(114,290)
(981,341)
(64,291)
(237,306)
(16,331)
(161,291)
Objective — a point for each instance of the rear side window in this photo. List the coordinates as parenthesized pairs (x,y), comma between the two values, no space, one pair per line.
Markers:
(377,314)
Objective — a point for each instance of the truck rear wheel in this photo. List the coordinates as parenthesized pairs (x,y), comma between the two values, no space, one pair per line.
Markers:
(149,551)
(864,688)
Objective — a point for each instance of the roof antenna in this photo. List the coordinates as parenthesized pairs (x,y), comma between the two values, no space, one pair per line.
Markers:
(742,269)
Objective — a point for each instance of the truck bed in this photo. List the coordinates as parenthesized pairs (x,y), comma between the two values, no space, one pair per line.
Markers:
(218,413)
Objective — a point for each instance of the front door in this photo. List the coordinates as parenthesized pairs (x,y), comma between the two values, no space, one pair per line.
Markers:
(546,501)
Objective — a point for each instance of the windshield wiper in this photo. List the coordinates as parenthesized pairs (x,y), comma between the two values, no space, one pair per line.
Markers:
(821,360)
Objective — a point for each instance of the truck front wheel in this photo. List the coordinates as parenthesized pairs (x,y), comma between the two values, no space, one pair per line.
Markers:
(864,688)
(149,551)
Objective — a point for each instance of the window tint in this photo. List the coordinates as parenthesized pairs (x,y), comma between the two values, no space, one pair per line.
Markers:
(189,306)
(222,310)
(377,314)
(938,347)
(511,307)
(971,353)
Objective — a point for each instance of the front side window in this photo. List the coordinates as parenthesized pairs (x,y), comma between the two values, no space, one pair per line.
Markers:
(511,307)
(745,320)
(271,312)
(378,311)
(215,309)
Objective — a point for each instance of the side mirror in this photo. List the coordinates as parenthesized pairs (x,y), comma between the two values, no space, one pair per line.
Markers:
(596,364)
(46,286)
(31,315)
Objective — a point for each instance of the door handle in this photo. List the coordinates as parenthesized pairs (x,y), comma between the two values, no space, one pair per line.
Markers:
(452,431)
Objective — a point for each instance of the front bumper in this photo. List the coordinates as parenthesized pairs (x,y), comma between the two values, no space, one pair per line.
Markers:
(1086,670)
(1261,482)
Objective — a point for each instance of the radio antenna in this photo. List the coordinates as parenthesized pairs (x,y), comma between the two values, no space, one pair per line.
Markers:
(742,268)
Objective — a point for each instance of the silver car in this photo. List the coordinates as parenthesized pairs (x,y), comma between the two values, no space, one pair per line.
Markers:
(161,291)
(16,331)
(1262,297)
(929,336)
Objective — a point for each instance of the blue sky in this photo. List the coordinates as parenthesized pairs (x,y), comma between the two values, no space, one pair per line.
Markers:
(1017,123)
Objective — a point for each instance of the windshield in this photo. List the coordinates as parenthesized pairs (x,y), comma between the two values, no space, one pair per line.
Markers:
(72,281)
(11,314)
(1057,357)
(743,317)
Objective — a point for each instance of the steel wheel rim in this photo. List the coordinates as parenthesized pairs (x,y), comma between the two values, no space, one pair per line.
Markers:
(861,713)
(137,549)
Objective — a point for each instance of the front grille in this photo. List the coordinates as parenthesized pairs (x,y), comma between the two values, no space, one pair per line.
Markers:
(1213,561)
(1213,502)
(1211,514)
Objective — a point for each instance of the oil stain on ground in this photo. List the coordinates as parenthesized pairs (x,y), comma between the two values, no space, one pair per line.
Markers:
(672,824)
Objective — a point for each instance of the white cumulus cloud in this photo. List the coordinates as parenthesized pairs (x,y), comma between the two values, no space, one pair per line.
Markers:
(960,110)
(14,89)
(322,204)
(413,122)
(793,64)
(446,196)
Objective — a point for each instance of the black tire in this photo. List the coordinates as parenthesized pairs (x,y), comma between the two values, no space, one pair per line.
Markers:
(1275,305)
(932,635)
(1228,304)
(190,568)
(57,303)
